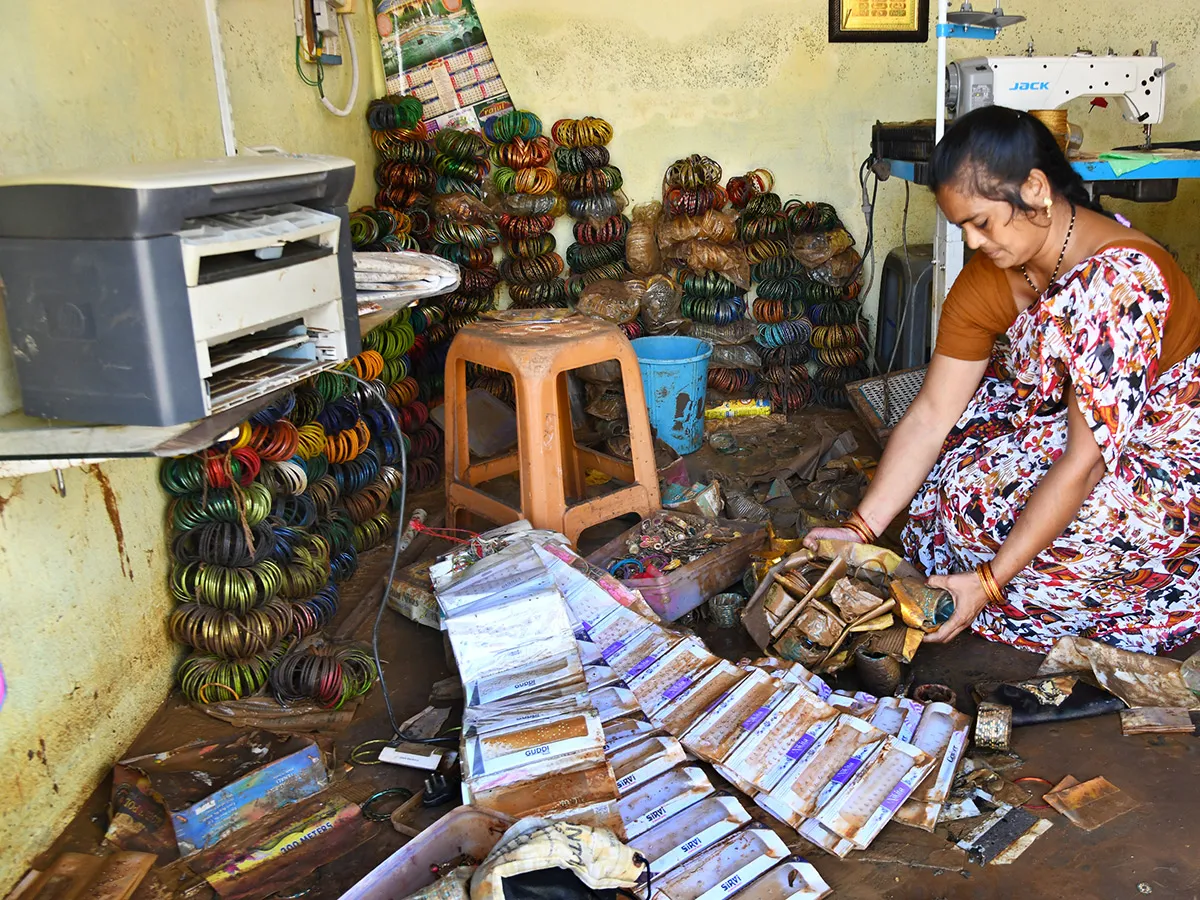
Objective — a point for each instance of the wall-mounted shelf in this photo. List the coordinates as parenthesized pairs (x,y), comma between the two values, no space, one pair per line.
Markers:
(1174,164)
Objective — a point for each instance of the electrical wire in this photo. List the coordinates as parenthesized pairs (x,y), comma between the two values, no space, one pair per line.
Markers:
(396,550)
(344,111)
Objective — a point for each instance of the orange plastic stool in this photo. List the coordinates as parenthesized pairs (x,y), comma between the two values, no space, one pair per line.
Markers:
(550,464)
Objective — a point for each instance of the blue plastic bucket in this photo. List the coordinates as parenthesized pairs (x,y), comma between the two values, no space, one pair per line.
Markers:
(674,377)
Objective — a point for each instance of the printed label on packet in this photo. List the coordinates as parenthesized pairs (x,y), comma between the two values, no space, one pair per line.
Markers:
(669,808)
(677,687)
(642,666)
(756,718)
(739,879)
(842,775)
(693,846)
(612,649)
(801,746)
(896,796)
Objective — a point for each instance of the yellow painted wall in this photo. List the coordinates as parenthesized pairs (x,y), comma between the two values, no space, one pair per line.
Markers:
(757,84)
(83,597)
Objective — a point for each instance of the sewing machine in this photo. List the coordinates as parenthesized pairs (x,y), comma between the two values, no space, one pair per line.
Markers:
(1048,82)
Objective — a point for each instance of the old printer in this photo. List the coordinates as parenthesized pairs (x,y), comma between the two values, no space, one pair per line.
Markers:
(163,293)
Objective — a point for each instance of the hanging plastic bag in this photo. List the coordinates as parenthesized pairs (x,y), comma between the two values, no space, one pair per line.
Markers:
(463,206)
(660,301)
(715,225)
(610,300)
(735,356)
(641,243)
(838,270)
(740,331)
(814,249)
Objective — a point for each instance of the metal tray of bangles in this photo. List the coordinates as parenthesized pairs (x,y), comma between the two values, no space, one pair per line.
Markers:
(678,561)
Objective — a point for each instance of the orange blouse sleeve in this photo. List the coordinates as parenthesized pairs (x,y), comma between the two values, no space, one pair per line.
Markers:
(978,309)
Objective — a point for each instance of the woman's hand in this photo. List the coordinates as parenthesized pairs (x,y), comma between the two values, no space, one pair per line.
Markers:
(969,601)
(830,534)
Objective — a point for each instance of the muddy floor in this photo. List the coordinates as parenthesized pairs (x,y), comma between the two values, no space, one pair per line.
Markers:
(1149,851)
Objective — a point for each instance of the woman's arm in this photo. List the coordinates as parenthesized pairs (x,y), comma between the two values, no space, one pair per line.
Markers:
(915,443)
(1052,505)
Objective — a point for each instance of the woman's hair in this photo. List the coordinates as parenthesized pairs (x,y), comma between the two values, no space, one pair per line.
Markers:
(990,152)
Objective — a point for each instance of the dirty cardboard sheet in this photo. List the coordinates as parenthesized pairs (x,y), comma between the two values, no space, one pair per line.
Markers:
(1089,804)
(1137,678)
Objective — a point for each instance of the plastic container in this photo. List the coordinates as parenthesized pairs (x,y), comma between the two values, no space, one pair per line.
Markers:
(682,590)
(675,377)
(465,830)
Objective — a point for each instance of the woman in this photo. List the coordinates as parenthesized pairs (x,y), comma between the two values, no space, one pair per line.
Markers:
(1054,478)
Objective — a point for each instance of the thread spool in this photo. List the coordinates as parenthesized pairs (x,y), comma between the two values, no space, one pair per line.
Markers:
(1056,121)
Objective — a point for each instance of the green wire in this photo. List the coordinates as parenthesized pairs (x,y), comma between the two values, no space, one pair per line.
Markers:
(318,84)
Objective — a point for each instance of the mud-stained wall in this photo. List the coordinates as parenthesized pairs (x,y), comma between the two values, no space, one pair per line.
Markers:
(83,579)
(758,85)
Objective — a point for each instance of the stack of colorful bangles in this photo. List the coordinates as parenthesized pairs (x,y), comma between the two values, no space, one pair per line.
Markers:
(591,186)
(405,174)
(526,180)
(266,526)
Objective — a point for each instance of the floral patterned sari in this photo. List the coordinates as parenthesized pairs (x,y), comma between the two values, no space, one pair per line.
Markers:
(1126,570)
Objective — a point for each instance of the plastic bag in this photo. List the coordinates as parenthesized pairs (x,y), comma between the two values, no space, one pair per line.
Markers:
(729,261)
(609,406)
(607,372)
(660,300)
(814,249)
(741,331)
(735,356)
(464,207)
(529,204)
(641,242)
(610,300)
(595,857)
(838,270)
(716,226)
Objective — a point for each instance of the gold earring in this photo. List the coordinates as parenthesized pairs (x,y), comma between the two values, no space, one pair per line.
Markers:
(1050,209)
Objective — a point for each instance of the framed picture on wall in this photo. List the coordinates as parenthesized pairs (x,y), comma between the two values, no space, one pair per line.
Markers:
(870,21)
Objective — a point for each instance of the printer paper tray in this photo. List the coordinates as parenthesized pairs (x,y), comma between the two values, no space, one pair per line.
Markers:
(245,350)
(258,377)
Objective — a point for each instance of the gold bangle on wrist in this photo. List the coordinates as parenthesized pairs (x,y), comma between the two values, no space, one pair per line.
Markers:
(991,587)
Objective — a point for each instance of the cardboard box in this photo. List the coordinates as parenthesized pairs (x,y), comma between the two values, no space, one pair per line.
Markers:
(187,799)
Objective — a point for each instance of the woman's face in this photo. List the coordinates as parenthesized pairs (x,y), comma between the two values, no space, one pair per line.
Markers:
(1010,237)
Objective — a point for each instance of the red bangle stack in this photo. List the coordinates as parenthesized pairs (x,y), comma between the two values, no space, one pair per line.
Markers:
(859,526)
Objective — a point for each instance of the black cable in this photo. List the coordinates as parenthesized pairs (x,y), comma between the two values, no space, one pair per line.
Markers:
(906,303)
(400,525)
